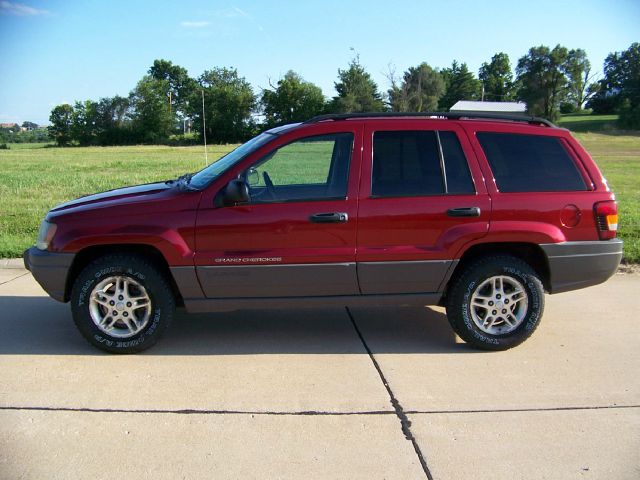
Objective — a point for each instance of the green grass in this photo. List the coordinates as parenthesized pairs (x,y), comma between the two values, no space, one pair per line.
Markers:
(306,163)
(33,179)
(29,146)
(618,157)
(583,123)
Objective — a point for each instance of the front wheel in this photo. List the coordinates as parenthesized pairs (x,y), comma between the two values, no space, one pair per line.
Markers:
(496,303)
(122,303)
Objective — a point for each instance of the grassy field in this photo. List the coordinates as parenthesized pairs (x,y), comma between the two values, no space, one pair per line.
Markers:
(583,123)
(33,179)
(618,157)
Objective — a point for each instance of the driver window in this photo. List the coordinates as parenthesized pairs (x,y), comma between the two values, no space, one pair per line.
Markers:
(312,168)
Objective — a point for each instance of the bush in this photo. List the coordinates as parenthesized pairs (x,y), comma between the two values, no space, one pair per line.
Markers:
(603,104)
(3,146)
(566,107)
(183,140)
(39,135)
(629,116)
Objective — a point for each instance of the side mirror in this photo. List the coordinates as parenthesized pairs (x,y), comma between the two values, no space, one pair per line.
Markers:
(253,177)
(236,191)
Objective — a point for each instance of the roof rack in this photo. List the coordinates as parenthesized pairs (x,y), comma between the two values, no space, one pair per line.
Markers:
(447,115)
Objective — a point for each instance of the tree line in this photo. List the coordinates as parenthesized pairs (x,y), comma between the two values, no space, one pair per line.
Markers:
(28,132)
(167,102)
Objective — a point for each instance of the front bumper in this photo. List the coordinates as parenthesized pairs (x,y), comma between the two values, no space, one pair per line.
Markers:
(50,270)
(574,265)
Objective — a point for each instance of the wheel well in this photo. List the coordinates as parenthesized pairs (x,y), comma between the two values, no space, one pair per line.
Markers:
(87,255)
(530,253)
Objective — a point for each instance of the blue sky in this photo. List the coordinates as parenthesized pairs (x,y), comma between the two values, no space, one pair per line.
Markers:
(55,51)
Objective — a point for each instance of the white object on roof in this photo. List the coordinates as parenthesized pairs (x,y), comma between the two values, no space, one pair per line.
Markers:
(498,107)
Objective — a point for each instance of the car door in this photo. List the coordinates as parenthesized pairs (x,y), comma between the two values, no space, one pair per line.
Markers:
(296,236)
(422,197)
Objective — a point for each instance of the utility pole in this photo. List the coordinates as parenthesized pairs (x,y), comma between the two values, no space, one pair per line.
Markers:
(204,131)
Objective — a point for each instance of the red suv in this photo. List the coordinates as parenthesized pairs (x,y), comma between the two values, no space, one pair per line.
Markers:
(480,214)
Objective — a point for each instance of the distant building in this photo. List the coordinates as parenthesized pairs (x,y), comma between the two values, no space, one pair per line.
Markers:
(12,127)
(489,107)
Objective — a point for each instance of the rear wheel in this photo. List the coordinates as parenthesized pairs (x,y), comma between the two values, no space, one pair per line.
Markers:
(496,303)
(122,303)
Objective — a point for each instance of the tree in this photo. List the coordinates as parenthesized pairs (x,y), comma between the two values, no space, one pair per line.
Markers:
(229,103)
(460,84)
(580,80)
(293,100)
(61,119)
(113,121)
(419,91)
(357,92)
(181,85)
(619,90)
(84,126)
(497,79)
(542,79)
(152,120)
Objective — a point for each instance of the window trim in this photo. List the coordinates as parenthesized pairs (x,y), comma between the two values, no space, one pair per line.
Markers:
(297,200)
(443,168)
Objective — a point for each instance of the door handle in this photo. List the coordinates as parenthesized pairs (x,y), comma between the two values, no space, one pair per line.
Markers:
(333,217)
(464,212)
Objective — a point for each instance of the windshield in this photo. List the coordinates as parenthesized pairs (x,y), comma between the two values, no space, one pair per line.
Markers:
(205,176)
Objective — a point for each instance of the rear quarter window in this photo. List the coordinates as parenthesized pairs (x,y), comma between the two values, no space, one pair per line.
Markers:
(530,163)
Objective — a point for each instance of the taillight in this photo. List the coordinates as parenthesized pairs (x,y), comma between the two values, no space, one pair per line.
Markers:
(606,219)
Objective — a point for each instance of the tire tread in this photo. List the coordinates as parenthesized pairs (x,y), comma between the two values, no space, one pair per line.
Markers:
(456,294)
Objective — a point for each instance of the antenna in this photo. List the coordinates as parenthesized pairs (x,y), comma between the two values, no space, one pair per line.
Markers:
(204,131)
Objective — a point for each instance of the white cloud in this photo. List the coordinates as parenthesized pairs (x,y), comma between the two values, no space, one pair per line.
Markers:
(199,24)
(232,12)
(20,9)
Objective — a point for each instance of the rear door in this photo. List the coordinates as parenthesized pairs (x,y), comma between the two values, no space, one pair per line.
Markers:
(541,191)
(422,198)
(297,235)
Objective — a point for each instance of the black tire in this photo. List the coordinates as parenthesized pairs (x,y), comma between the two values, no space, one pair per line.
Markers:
(142,273)
(461,291)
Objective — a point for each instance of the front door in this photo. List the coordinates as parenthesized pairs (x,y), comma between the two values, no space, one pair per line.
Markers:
(296,237)
(419,205)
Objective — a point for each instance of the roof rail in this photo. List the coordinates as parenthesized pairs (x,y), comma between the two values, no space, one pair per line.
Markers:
(447,115)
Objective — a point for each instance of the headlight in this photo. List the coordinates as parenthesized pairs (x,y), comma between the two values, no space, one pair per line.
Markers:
(45,235)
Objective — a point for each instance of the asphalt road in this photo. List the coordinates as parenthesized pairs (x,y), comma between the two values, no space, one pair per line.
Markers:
(387,393)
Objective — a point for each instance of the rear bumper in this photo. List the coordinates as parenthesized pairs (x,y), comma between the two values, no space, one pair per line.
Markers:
(50,270)
(574,265)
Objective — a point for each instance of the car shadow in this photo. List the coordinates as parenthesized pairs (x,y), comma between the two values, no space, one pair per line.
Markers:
(41,326)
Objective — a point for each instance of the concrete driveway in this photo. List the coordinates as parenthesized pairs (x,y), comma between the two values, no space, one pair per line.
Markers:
(388,393)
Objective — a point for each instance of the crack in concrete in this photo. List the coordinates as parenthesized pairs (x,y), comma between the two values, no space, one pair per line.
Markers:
(405,423)
(15,278)
(190,411)
(521,410)
(195,411)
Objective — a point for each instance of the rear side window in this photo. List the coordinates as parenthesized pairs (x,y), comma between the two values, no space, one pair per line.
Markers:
(530,163)
(413,163)
(457,170)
